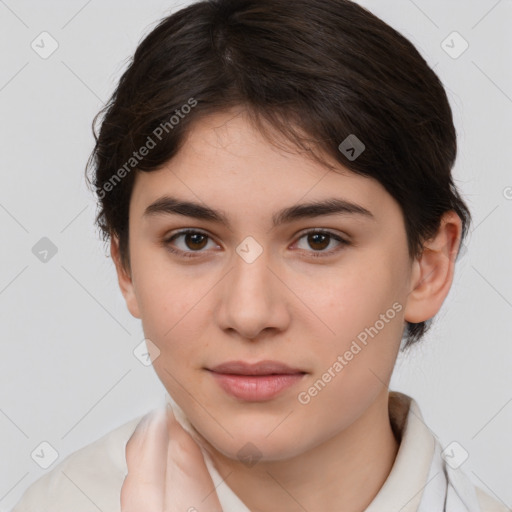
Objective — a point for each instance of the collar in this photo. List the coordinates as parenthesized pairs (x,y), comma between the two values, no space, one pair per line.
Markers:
(419,480)
(404,486)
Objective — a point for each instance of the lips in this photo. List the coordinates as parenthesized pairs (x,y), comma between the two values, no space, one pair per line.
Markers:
(266,367)
(255,382)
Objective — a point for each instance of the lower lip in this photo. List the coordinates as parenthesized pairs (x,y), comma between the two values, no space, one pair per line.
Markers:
(256,388)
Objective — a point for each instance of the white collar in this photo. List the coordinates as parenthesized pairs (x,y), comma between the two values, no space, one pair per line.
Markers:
(419,481)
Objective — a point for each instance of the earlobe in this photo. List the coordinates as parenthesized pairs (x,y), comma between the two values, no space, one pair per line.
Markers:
(124,279)
(432,273)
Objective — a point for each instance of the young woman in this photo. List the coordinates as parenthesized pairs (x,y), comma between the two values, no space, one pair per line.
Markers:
(275,182)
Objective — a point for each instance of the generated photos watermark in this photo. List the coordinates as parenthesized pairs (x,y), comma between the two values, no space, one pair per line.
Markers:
(144,150)
(304,397)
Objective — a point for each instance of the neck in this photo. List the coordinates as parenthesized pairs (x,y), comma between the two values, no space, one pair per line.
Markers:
(343,473)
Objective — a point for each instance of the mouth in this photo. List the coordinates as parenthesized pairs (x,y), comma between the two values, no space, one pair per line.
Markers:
(260,368)
(255,382)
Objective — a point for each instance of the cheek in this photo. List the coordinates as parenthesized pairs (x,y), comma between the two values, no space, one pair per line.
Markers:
(165,290)
(353,299)
(172,310)
(355,363)
(364,315)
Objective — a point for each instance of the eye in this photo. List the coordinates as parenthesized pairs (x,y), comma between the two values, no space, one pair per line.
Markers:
(319,240)
(193,241)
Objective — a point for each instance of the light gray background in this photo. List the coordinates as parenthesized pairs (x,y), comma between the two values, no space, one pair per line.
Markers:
(68,374)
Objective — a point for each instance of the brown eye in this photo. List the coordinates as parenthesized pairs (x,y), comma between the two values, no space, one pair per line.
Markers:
(195,241)
(191,243)
(318,241)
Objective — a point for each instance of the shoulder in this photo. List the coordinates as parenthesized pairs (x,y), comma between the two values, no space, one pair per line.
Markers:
(489,504)
(87,480)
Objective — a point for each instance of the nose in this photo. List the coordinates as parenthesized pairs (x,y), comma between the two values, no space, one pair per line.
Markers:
(253,299)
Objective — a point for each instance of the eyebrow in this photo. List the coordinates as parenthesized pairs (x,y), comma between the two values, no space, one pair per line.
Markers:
(168,205)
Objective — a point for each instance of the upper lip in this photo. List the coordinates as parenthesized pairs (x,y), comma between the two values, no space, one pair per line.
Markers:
(260,368)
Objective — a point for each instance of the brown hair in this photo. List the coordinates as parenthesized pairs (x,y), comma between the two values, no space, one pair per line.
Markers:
(317,71)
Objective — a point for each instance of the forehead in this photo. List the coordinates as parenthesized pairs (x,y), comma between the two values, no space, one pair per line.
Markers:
(226,162)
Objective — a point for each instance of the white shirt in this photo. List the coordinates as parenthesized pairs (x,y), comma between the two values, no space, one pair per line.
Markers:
(90,479)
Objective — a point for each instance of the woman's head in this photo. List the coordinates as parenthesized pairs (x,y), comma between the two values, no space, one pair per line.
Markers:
(318,72)
(231,120)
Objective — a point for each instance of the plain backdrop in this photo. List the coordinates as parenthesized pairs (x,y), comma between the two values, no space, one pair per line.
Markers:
(68,372)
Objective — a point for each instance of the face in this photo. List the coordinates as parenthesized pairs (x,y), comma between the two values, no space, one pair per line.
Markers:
(329,304)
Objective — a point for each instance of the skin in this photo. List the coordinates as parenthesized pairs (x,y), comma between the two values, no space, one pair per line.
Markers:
(335,452)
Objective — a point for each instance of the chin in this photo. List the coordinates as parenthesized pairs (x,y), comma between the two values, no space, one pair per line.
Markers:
(255,445)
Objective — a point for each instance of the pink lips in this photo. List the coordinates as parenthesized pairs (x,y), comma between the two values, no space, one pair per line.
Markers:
(255,381)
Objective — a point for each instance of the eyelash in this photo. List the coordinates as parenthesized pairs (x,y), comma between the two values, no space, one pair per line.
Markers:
(195,254)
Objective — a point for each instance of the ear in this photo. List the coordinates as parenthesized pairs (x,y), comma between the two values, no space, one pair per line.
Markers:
(125,279)
(432,272)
